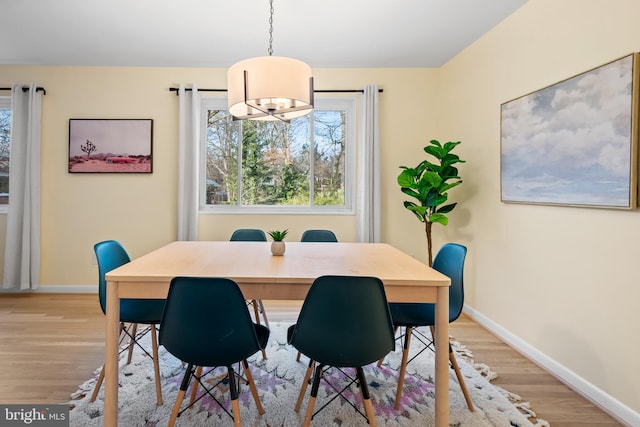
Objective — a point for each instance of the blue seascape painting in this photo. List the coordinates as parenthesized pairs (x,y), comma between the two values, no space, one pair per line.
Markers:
(571,143)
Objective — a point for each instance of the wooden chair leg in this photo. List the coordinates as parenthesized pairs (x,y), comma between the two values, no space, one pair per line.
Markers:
(256,310)
(314,393)
(463,386)
(403,366)
(133,331)
(303,386)
(235,410)
(194,387)
(122,335)
(176,408)
(309,413)
(264,313)
(366,399)
(312,398)
(252,387)
(257,307)
(233,390)
(456,369)
(156,363)
(96,389)
(183,390)
(368,408)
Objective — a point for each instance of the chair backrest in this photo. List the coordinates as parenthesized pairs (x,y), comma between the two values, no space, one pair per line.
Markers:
(110,255)
(318,236)
(344,321)
(450,261)
(248,235)
(206,322)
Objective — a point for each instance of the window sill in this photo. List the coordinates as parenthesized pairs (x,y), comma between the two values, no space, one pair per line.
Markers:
(270,210)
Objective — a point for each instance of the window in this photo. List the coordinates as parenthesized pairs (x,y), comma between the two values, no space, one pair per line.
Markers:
(5,144)
(305,166)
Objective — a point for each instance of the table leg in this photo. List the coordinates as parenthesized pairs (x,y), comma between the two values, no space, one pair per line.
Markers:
(111,356)
(442,357)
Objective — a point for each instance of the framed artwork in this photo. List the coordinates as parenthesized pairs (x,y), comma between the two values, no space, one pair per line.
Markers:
(110,145)
(574,143)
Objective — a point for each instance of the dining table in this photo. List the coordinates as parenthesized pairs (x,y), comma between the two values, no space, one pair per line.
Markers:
(262,276)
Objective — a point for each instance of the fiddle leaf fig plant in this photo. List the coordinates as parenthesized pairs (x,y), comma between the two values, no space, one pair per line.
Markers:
(428,183)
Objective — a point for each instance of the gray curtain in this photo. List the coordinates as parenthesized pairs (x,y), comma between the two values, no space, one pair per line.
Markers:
(22,244)
(368,194)
(188,162)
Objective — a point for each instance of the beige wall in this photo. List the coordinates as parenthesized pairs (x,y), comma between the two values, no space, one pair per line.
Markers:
(565,280)
(79,210)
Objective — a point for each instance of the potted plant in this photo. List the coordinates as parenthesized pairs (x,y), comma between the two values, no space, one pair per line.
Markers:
(278,246)
(429,183)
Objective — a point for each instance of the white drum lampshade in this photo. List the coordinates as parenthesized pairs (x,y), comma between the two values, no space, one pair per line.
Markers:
(269,88)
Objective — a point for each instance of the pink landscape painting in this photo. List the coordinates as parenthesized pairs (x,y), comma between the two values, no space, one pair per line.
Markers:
(110,145)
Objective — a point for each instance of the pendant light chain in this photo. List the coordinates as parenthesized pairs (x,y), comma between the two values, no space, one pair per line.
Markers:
(270,28)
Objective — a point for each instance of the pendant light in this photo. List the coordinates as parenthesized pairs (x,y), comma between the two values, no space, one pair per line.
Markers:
(269,87)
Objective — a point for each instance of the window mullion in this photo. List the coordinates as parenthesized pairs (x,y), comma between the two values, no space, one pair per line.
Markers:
(312,160)
(239,145)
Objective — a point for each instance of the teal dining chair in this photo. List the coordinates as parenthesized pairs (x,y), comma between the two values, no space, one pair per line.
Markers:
(248,235)
(344,322)
(206,323)
(318,236)
(110,254)
(449,261)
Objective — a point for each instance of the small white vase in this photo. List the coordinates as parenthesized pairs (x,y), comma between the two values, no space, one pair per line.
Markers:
(277,248)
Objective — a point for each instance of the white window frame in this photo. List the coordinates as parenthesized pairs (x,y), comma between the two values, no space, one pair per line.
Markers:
(5,103)
(347,104)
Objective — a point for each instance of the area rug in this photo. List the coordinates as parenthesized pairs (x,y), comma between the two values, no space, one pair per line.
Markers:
(278,381)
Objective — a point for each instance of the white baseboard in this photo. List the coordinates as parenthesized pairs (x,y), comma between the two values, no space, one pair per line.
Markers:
(68,289)
(606,402)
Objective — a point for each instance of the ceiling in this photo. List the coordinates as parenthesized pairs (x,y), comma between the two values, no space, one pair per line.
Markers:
(217,33)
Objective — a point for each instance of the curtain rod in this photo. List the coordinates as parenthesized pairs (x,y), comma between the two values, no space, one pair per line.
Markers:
(175,89)
(26,89)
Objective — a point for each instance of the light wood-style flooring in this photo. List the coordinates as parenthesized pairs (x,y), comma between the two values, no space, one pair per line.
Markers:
(51,343)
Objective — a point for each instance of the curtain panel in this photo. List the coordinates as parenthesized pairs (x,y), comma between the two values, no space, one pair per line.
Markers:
(368,193)
(22,244)
(188,162)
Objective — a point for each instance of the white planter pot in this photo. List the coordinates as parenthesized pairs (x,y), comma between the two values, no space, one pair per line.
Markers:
(277,248)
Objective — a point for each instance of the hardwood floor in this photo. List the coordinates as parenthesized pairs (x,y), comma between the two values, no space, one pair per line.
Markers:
(51,343)
(550,399)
